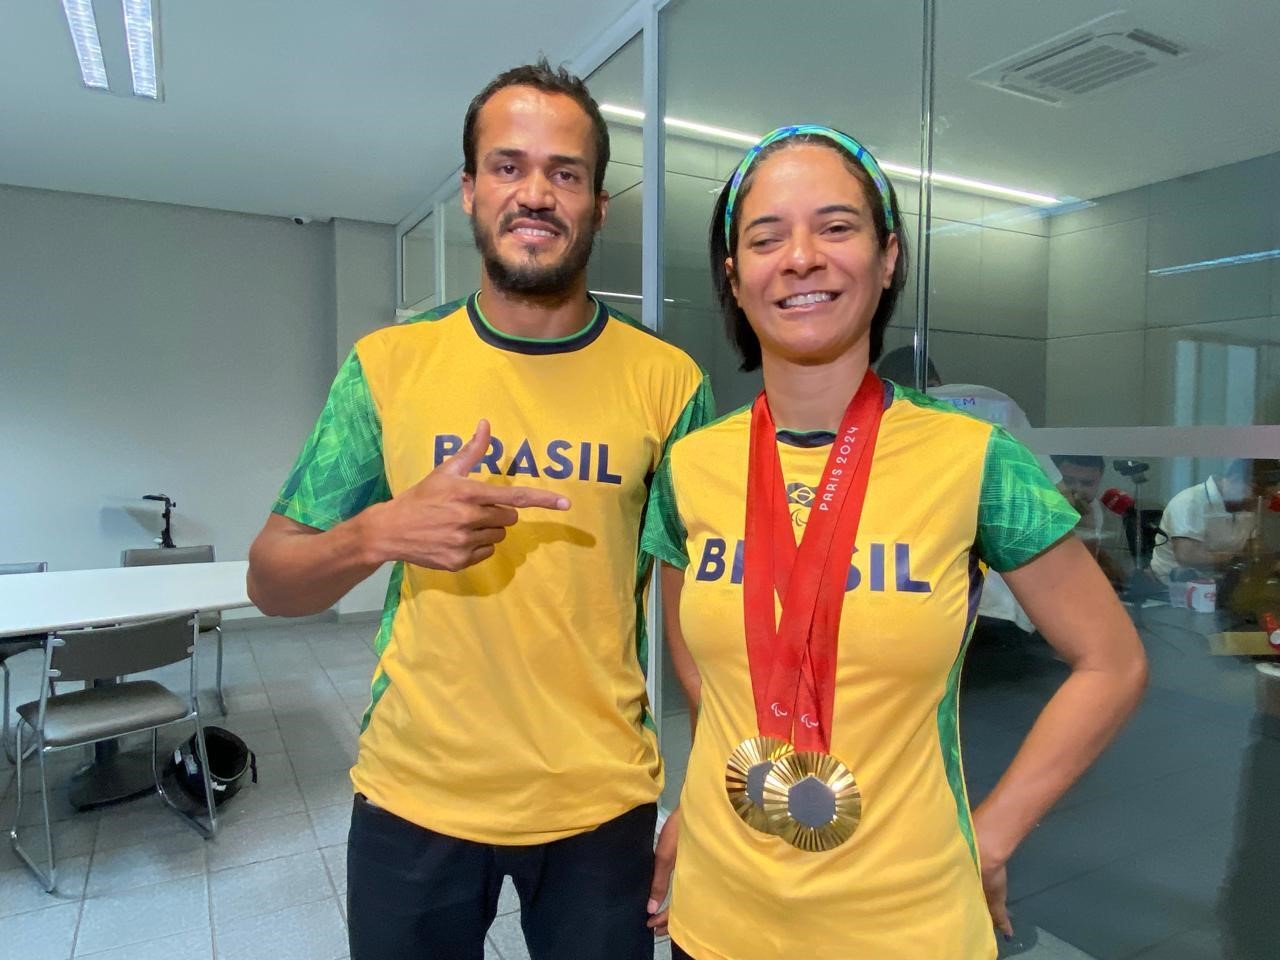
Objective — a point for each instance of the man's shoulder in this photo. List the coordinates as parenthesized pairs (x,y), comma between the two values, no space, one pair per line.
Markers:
(708,441)
(643,343)
(420,328)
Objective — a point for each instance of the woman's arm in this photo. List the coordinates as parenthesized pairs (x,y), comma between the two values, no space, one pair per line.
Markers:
(672,580)
(664,854)
(1069,600)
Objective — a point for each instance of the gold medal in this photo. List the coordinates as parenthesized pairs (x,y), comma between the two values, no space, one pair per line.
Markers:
(812,801)
(744,777)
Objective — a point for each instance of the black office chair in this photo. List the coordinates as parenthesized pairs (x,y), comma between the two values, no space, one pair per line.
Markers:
(210,621)
(12,646)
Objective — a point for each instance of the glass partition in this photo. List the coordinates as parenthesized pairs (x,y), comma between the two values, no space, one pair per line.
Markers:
(614,271)
(461,258)
(1136,280)
(418,259)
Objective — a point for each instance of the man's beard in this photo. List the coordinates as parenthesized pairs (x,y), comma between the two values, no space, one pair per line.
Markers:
(530,278)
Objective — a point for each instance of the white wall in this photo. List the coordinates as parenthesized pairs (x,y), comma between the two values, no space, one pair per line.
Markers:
(153,348)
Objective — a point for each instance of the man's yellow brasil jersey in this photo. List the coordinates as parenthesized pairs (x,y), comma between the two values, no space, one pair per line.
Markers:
(946,493)
(508,703)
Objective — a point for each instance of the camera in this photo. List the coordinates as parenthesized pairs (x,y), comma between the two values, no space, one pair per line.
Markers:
(301,220)
(1130,468)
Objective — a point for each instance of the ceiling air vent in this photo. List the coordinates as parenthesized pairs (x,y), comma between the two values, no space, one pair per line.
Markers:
(1093,57)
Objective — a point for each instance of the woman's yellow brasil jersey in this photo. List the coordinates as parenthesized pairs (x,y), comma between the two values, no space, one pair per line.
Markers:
(508,703)
(946,493)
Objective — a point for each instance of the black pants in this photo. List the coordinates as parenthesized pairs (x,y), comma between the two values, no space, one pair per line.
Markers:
(413,894)
(677,953)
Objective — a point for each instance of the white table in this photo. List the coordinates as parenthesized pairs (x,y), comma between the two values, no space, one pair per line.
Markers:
(34,603)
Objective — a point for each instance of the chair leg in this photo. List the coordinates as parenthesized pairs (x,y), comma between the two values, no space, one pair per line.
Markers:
(222,700)
(209,829)
(47,879)
(8,750)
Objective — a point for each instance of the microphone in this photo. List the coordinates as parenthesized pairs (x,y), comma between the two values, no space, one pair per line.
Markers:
(1117,501)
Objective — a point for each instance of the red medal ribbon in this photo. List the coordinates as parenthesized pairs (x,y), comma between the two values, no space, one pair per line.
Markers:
(793,658)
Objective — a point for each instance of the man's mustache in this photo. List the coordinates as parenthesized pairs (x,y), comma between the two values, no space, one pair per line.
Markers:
(542,216)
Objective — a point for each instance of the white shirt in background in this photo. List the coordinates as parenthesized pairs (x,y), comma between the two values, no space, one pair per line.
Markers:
(990,404)
(1198,513)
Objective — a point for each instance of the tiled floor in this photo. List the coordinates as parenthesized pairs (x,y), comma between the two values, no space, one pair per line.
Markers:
(136,883)
(1162,852)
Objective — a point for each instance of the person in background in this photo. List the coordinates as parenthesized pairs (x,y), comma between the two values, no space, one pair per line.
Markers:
(998,607)
(1099,529)
(1209,525)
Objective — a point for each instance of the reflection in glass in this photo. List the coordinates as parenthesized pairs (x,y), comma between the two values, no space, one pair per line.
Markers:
(418,253)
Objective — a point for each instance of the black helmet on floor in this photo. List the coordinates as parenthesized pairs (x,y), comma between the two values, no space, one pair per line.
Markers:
(229,760)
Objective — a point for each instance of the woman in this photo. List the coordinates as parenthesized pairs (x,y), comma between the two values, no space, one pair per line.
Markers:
(824,812)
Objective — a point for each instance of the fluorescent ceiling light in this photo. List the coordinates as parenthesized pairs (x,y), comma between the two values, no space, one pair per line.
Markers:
(139,29)
(84,34)
(1256,257)
(737,136)
(609,295)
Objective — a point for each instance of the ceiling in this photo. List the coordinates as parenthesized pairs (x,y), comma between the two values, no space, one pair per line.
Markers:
(293,108)
(857,66)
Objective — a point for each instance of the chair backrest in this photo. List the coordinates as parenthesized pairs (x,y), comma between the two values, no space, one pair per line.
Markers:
(35,566)
(159,556)
(104,652)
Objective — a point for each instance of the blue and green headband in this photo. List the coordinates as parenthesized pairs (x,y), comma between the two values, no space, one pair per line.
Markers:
(860,153)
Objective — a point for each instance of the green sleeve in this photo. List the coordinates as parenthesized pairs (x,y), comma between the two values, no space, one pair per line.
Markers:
(1020,513)
(698,412)
(663,533)
(340,469)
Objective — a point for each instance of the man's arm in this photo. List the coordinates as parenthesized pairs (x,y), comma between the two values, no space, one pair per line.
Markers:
(446,521)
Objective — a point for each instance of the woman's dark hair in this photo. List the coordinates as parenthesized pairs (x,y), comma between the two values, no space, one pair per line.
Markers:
(541,76)
(735,320)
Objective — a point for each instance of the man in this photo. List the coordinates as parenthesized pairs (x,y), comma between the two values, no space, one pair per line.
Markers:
(508,733)
(1099,529)
(1209,525)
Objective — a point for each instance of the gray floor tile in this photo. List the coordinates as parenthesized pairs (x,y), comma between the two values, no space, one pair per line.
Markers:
(490,951)
(1201,944)
(268,887)
(1049,947)
(313,931)
(71,838)
(145,820)
(335,858)
(332,824)
(256,840)
(508,899)
(327,790)
(662,949)
(145,913)
(1078,839)
(308,765)
(506,935)
(184,946)
(42,935)
(275,793)
(152,861)
(1136,903)
(21,892)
